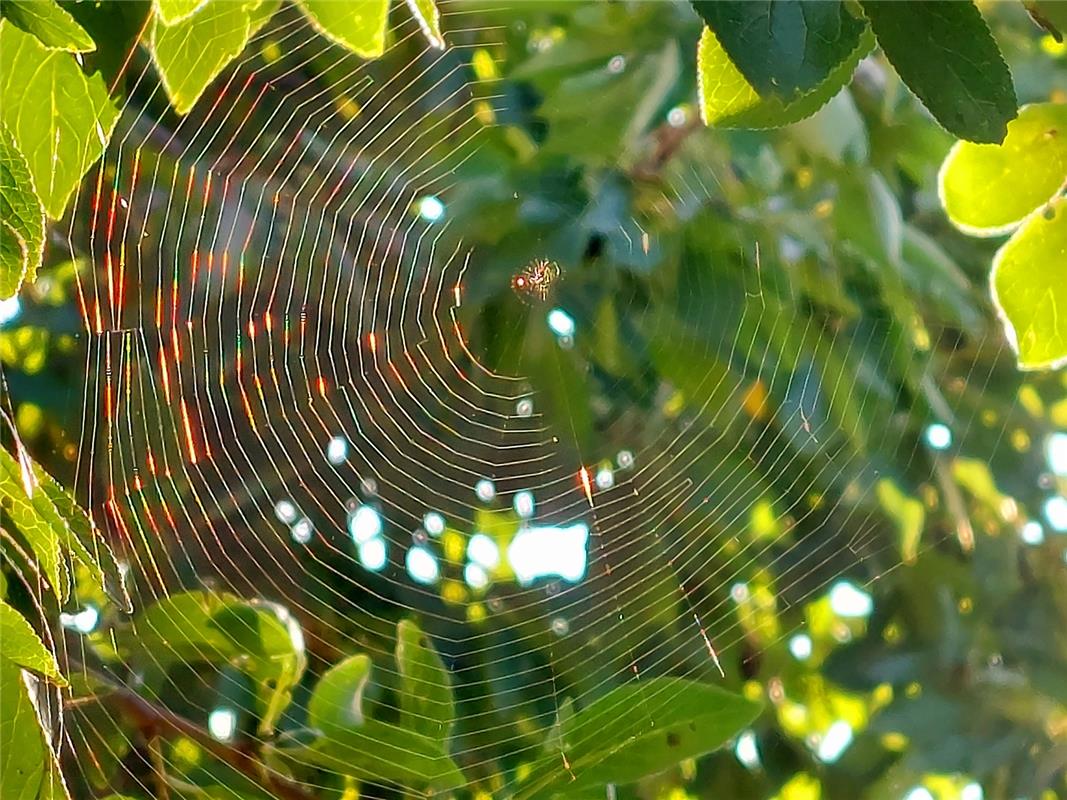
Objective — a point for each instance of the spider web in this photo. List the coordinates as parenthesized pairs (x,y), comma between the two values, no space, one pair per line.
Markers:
(306,386)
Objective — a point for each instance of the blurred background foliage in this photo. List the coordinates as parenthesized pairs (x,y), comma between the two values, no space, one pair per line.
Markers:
(889,549)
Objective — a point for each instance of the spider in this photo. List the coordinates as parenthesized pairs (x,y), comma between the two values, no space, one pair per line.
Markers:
(536,280)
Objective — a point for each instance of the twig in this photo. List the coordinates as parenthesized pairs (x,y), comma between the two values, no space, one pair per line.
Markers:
(166,724)
(668,139)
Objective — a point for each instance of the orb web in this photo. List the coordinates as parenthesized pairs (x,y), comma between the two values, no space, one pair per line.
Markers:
(304,385)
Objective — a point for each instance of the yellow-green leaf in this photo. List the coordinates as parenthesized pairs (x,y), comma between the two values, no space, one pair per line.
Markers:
(50,23)
(988,189)
(727,100)
(35,517)
(358,26)
(22,216)
(429,18)
(20,644)
(22,750)
(190,54)
(171,12)
(1030,288)
(59,117)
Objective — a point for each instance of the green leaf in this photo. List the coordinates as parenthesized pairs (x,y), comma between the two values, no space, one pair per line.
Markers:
(783,48)
(1050,15)
(946,55)
(728,100)
(84,541)
(380,751)
(1030,288)
(907,513)
(20,644)
(868,217)
(59,118)
(22,749)
(988,189)
(13,258)
(190,54)
(337,700)
(50,23)
(426,704)
(429,18)
(35,517)
(636,730)
(358,26)
(174,11)
(21,213)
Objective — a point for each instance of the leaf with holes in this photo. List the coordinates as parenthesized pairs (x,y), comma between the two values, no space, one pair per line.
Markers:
(988,189)
(637,730)
(1030,288)
(946,55)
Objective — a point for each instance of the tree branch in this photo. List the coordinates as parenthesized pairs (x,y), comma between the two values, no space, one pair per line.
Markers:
(168,725)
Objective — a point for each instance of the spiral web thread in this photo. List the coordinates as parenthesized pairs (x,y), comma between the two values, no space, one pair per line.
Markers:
(261,282)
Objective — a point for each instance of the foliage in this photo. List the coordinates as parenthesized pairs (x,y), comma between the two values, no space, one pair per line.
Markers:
(869,327)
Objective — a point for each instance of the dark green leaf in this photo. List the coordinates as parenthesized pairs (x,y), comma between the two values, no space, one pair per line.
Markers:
(51,24)
(379,751)
(22,213)
(727,100)
(637,730)
(946,55)
(426,704)
(783,48)
(59,118)
(1050,15)
(20,644)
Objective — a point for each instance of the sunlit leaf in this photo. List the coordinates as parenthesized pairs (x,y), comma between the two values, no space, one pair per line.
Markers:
(1030,288)
(425,11)
(50,23)
(637,730)
(172,11)
(783,49)
(946,55)
(60,118)
(22,749)
(20,644)
(337,701)
(727,100)
(190,54)
(987,189)
(359,26)
(22,215)
(36,519)
(426,704)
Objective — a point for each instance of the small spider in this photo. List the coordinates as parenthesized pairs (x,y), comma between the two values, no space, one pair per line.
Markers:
(536,280)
